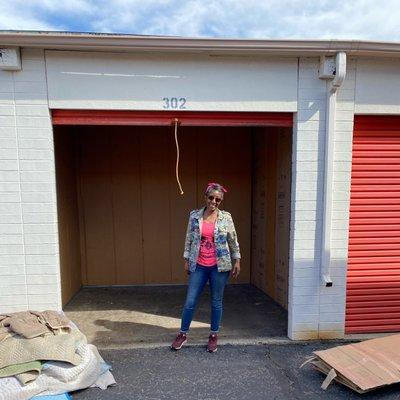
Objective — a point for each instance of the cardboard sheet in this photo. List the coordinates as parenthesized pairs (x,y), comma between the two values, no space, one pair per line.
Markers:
(362,366)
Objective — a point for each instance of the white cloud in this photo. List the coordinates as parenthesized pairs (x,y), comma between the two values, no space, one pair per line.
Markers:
(361,19)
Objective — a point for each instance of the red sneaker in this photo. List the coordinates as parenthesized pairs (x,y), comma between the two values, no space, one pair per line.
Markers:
(179,341)
(212,343)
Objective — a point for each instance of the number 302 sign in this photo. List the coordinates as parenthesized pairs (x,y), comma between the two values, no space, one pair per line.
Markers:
(174,103)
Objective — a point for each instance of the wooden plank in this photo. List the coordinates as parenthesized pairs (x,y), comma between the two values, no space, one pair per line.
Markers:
(81,210)
(155,182)
(181,205)
(238,199)
(126,199)
(97,205)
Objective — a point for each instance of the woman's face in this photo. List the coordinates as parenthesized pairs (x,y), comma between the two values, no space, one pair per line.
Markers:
(213,200)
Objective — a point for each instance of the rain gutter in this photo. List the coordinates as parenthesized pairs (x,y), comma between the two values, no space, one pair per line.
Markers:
(134,43)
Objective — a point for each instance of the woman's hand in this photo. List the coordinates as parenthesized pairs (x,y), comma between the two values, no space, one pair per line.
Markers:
(186,266)
(236,269)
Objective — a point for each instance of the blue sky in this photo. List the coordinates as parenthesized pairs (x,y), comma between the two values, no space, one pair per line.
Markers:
(263,19)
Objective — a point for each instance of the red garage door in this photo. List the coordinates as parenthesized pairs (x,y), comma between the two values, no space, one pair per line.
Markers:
(373,279)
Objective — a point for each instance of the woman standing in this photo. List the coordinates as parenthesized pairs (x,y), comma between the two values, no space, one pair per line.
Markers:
(211,254)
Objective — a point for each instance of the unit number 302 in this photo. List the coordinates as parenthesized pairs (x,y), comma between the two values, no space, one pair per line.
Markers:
(174,103)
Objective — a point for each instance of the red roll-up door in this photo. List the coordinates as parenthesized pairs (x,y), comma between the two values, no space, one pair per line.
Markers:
(165,118)
(373,277)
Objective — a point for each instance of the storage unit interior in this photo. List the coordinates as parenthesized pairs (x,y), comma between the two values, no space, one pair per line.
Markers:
(122,220)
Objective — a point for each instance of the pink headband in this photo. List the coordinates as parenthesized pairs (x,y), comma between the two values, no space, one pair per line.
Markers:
(211,184)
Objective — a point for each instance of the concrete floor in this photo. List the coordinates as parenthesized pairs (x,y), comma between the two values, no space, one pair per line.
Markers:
(149,316)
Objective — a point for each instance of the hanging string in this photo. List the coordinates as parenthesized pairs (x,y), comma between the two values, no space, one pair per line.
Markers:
(177,155)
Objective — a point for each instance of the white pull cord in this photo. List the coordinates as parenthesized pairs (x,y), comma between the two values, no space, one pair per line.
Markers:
(177,155)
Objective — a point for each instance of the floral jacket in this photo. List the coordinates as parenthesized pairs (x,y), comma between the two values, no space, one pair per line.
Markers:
(226,243)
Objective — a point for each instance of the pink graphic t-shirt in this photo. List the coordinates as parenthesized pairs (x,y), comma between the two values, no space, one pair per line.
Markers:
(207,254)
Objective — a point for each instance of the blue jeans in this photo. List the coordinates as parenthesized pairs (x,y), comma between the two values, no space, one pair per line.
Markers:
(197,281)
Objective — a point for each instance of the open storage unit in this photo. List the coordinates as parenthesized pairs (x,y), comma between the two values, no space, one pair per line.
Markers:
(122,220)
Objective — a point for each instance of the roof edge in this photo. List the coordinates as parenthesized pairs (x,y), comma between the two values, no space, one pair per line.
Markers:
(122,42)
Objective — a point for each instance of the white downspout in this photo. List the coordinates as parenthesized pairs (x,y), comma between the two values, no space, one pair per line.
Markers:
(332,88)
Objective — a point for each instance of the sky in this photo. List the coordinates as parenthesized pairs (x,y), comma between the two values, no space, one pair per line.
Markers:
(256,19)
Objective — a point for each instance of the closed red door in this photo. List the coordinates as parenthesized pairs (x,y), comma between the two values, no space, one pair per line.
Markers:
(373,277)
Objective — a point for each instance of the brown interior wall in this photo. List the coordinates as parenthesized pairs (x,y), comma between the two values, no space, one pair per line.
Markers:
(132,215)
(67,207)
(271,211)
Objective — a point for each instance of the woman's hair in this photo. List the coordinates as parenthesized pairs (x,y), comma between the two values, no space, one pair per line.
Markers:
(215,186)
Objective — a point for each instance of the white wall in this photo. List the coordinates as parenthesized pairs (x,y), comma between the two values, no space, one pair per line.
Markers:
(378,86)
(316,311)
(29,262)
(140,82)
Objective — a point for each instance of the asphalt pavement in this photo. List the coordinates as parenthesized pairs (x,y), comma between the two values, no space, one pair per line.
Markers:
(233,372)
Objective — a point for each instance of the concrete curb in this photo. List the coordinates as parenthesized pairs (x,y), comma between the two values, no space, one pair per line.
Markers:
(276,341)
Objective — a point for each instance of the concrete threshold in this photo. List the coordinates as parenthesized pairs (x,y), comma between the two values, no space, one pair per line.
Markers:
(367,336)
(274,341)
(197,343)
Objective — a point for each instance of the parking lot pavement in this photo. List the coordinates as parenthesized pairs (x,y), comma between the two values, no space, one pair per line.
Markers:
(233,372)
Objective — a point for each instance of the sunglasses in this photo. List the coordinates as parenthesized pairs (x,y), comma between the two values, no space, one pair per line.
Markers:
(217,199)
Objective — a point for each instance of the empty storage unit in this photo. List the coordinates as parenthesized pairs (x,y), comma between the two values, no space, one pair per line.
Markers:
(122,220)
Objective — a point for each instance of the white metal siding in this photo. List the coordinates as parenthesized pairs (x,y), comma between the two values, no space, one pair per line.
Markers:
(110,81)
(378,86)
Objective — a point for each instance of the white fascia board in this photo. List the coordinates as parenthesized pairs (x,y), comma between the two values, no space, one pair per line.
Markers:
(112,42)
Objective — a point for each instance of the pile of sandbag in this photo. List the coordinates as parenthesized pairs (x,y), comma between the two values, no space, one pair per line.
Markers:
(45,353)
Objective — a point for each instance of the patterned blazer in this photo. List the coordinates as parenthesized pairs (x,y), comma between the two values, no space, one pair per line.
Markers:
(225,238)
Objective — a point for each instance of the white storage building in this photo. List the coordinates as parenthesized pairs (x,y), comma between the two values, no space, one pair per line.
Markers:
(305,135)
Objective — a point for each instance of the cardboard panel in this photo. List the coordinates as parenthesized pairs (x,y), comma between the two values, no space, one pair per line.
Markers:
(68,228)
(271,161)
(271,211)
(264,178)
(258,233)
(282,228)
(363,366)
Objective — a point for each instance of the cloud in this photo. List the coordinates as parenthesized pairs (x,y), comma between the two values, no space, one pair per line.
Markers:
(275,19)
